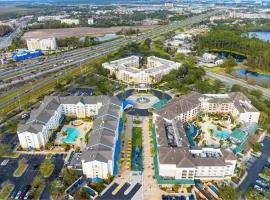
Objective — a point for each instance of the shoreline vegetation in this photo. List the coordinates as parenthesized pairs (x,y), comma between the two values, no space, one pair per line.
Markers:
(229,39)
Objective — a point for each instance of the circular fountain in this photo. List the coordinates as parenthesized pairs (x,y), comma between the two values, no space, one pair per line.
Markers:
(142,100)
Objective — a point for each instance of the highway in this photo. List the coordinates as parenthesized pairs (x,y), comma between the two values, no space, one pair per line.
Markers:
(15,75)
(75,58)
(233,81)
(7,40)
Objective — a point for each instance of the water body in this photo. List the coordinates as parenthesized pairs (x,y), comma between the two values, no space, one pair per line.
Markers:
(265,36)
(259,77)
(224,54)
(107,37)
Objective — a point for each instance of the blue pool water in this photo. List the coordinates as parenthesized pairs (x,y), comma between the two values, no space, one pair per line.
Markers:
(90,191)
(72,134)
(221,134)
(191,132)
(213,189)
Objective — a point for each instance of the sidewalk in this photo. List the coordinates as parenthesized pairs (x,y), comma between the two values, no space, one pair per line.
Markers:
(150,186)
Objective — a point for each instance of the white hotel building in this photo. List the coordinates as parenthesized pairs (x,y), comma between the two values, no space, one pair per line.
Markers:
(35,132)
(70,21)
(99,158)
(45,44)
(128,69)
(176,159)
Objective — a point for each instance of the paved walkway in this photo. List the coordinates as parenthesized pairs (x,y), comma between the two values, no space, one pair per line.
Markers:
(124,175)
(150,186)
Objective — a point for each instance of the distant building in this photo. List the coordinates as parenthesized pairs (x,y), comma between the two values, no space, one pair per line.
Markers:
(70,21)
(127,69)
(209,58)
(90,21)
(51,18)
(46,44)
(168,5)
(24,55)
(10,22)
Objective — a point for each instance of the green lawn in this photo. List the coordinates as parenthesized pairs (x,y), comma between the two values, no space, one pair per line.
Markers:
(21,168)
(4,193)
(265,173)
(137,137)
(137,122)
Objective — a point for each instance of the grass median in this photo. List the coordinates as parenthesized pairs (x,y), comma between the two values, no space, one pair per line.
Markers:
(22,165)
(6,190)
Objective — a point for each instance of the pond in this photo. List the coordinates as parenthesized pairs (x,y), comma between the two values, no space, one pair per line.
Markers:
(262,35)
(259,77)
(107,37)
(225,54)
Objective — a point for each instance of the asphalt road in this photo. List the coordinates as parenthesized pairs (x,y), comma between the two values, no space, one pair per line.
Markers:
(6,41)
(232,81)
(256,167)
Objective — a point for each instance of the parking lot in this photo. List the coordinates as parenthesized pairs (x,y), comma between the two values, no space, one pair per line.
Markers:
(255,165)
(33,161)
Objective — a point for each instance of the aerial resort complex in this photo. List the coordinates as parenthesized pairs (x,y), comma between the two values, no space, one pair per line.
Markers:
(129,70)
(177,155)
(135,100)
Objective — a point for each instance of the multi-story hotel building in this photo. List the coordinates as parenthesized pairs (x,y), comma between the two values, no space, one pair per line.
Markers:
(176,158)
(187,107)
(128,69)
(35,132)
(46,44)
(100,157)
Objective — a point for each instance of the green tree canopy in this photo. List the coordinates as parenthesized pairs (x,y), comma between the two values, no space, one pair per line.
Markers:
(252,194)
(46,167)
(228,193)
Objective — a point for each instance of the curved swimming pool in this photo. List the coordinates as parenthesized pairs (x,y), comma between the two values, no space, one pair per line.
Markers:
(72,134)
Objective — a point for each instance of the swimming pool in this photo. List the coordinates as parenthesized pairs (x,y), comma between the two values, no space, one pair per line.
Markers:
(72,134)
(223,134)
(212,187)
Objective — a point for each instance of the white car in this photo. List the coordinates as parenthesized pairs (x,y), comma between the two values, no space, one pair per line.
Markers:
(26,195)
(258,188)
(18,195)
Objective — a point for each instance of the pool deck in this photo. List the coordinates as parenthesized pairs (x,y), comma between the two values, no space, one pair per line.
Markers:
(83,129)
(210,124)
